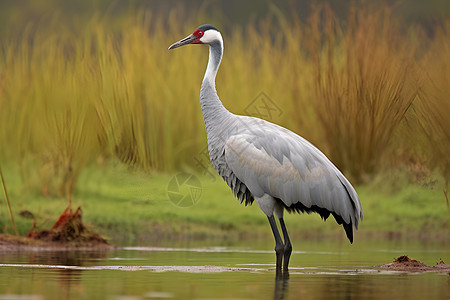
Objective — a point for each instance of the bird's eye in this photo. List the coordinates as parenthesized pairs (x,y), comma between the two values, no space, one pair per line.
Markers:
(198,33)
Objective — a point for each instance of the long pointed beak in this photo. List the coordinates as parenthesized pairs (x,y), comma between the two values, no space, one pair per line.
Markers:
(187,40)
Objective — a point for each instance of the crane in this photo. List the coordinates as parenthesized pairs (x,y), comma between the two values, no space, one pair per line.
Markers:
(269,164)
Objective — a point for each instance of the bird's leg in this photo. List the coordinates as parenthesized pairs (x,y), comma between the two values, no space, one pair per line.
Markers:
(287,247)
(279,247)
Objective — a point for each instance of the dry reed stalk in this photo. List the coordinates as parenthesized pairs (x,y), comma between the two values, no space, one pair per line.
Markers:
(9,202)
(434,106)
(363,85)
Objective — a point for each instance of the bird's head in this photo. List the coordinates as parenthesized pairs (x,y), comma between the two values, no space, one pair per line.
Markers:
(205,34)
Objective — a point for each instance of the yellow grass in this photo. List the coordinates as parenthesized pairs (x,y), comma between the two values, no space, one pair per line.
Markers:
(434,103)
(364,81)
(73,94)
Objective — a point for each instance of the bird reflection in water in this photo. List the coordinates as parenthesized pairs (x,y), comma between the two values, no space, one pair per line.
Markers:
(281,286)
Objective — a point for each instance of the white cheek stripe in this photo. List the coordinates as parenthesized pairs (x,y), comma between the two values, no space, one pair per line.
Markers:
(210,36)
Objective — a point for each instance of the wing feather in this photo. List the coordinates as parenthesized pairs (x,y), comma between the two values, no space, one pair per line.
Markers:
(273,160)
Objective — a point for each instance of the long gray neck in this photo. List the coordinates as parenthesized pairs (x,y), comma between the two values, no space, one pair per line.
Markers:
(213,110)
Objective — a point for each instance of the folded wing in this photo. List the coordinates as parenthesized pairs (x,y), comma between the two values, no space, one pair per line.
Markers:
(272,160)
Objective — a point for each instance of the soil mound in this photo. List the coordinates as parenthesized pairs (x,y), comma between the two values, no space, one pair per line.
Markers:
(68,232)
(69,229)
(406,264)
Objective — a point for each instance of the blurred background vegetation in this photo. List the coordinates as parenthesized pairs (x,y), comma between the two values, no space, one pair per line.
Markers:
(87,84)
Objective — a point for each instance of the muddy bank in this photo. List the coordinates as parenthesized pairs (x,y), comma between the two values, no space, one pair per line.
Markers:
(14,243)
(405,264)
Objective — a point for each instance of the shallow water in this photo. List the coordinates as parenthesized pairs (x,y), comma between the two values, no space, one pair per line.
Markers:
(202,270)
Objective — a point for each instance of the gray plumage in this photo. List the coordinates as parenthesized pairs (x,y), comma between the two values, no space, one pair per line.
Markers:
(265,162)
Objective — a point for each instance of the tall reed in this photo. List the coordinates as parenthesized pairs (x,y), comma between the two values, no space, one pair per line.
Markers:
(109,88)
(48,106)
(434,103)
(69,95)
(364,74)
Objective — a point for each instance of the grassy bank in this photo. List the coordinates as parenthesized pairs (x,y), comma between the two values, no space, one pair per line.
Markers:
(129,205)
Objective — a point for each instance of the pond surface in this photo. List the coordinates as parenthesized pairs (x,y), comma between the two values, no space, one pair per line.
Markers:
(203,270)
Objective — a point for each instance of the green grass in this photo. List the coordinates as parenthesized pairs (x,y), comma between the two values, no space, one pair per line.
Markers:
(129,205)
